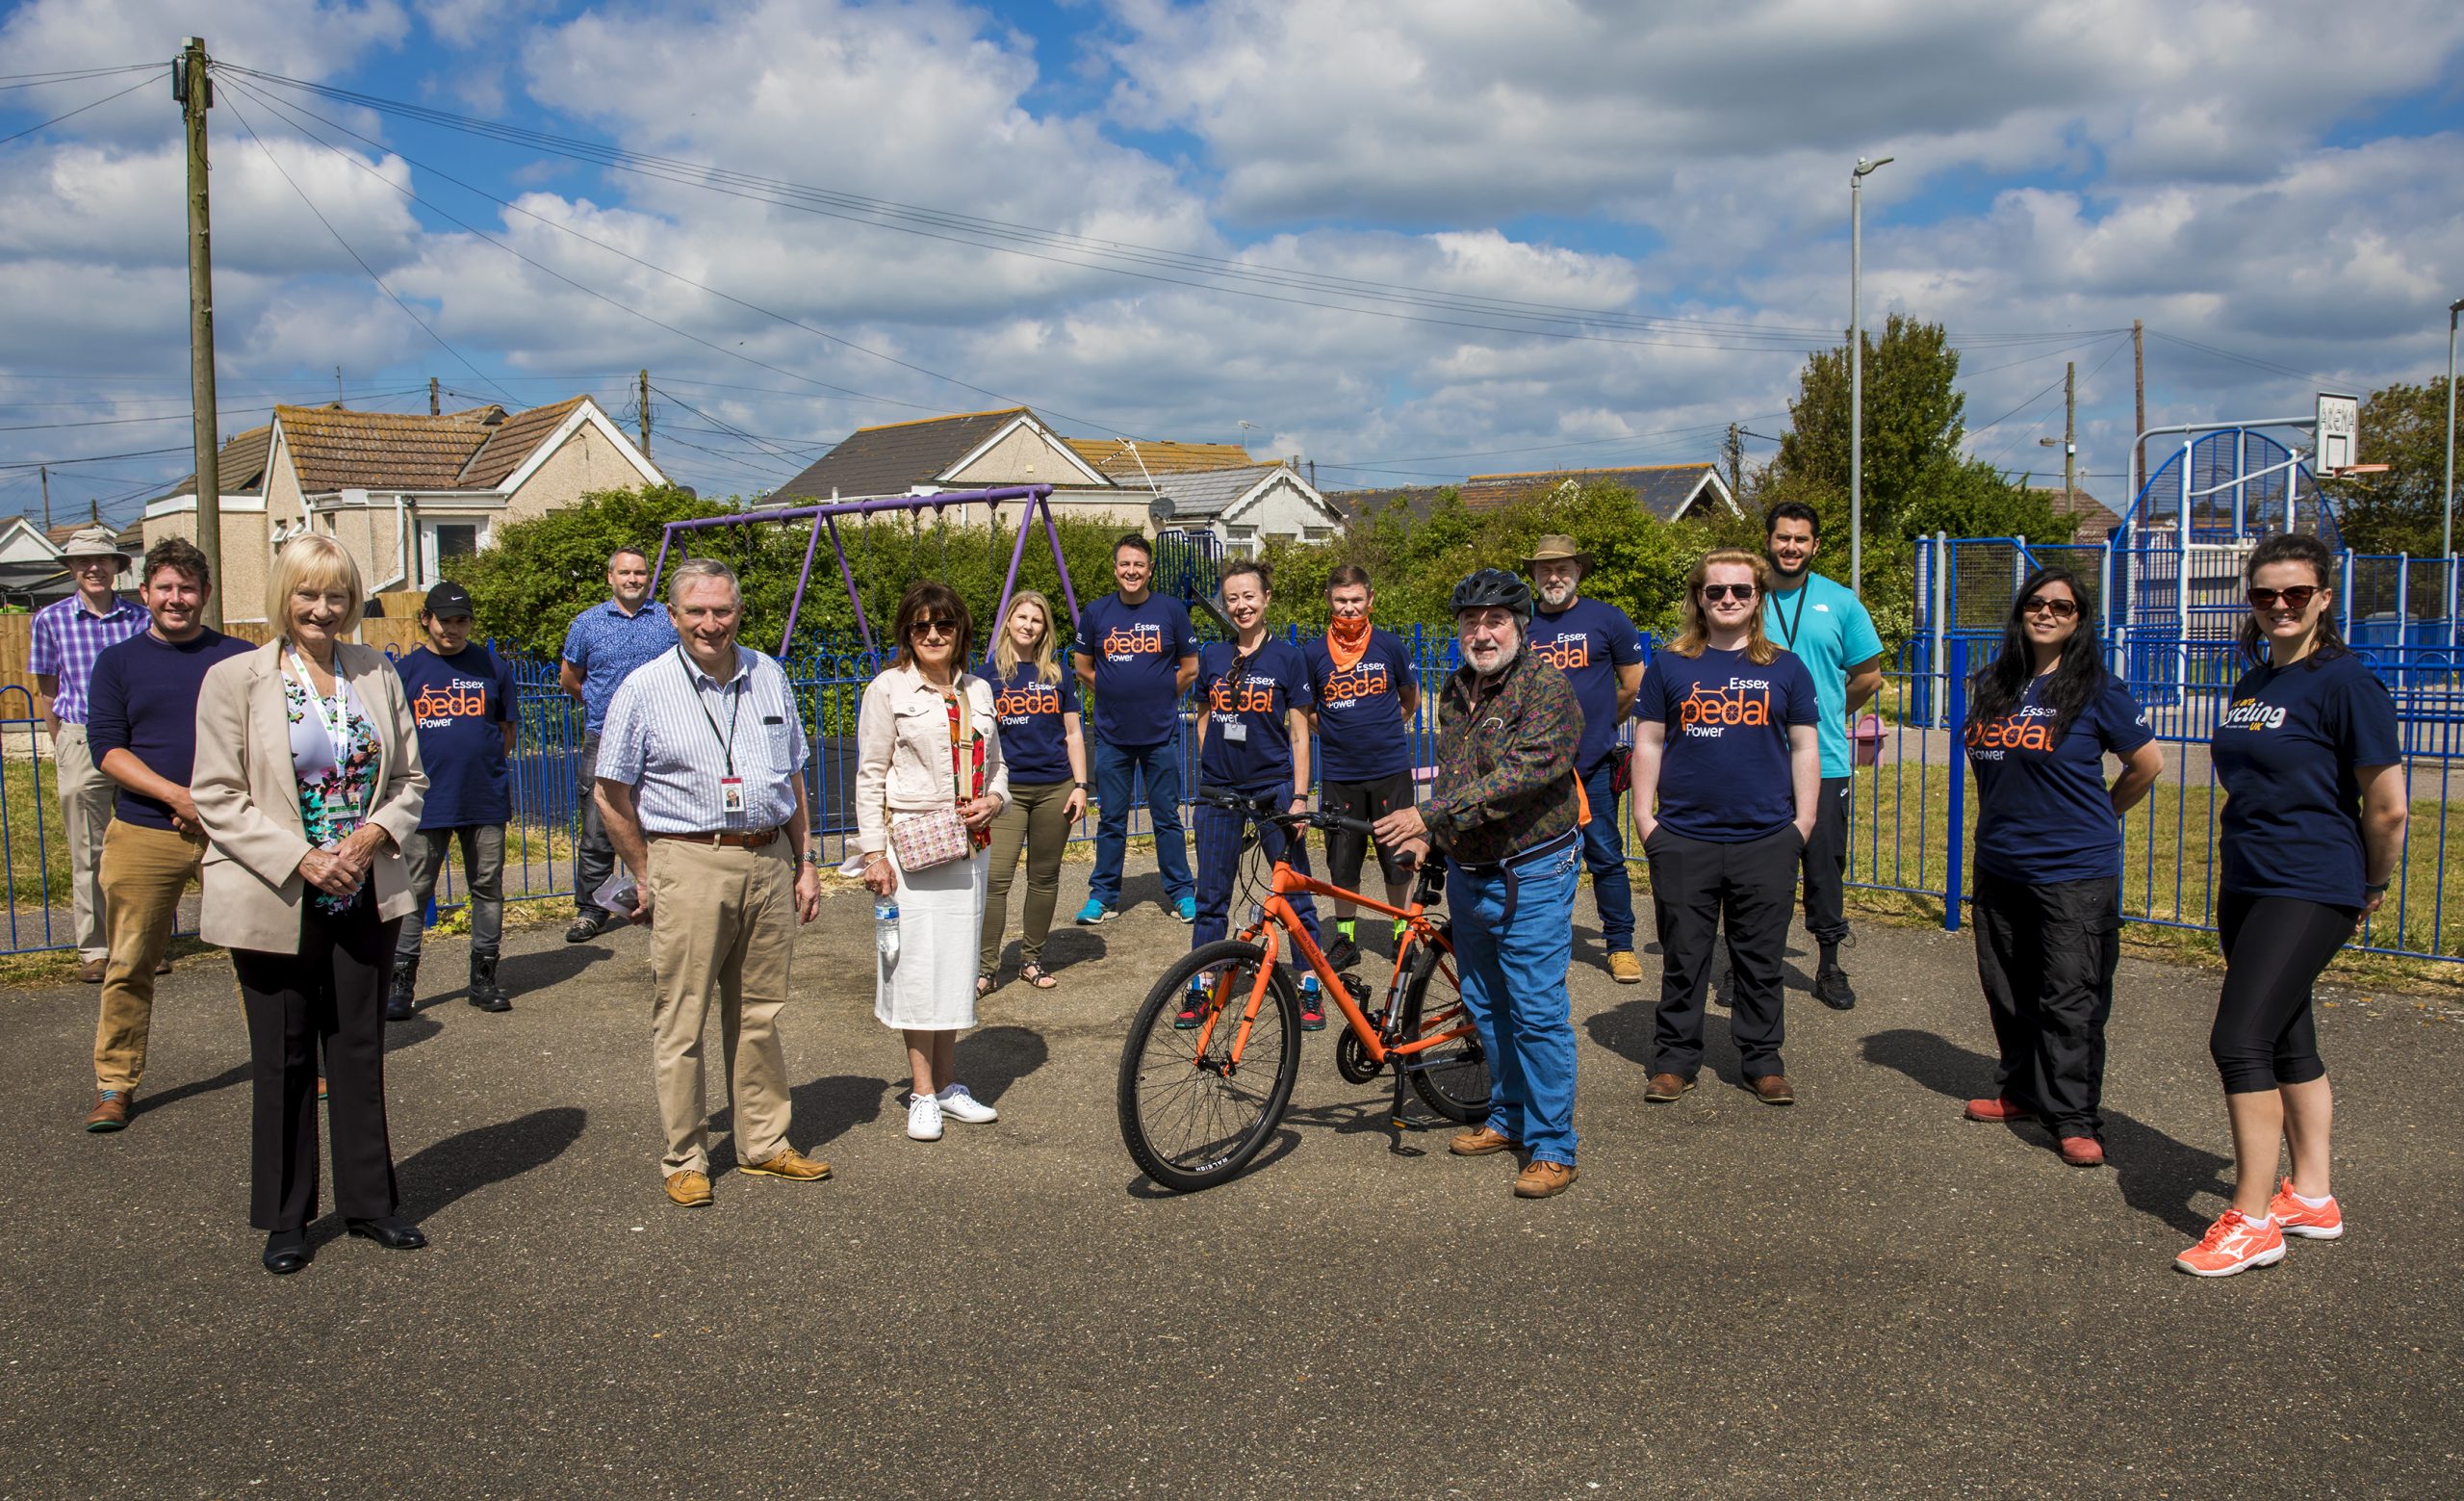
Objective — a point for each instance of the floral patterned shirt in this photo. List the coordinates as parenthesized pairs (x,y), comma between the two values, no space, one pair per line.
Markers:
(1505,761)
(334,800)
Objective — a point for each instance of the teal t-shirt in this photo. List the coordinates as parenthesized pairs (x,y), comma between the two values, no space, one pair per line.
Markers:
(1828,629)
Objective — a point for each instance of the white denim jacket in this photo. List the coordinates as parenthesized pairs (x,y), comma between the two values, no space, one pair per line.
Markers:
(903,751)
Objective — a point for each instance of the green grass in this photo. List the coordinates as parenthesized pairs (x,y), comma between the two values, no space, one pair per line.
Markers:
(36,874)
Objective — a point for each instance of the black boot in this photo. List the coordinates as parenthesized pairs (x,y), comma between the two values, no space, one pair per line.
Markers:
(1830,982)
(485,992)
(406,979)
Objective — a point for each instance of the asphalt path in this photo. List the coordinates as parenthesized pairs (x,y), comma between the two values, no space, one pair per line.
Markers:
(1864,1295)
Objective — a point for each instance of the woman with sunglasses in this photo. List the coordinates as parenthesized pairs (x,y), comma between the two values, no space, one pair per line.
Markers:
(2042,717)
(1727,763)
(2313,827)
(926,740)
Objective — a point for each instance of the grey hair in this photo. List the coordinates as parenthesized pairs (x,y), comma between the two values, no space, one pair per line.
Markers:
(626,550)
(696,568)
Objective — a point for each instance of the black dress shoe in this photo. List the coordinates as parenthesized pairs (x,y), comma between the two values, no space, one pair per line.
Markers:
(392,1234)
(286,1252)
(587,926)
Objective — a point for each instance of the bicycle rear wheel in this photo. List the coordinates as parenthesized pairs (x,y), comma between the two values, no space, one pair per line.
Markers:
(1190,1115)
(1452,1078)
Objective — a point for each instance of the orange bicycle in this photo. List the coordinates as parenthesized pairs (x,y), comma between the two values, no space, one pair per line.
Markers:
(1197,1102)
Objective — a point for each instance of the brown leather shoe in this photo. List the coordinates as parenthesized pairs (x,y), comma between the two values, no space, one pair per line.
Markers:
(1479,1141)
(689,1189)
(111,1109)
(788,1163)
(1625,967)
(1772,1089)
(1545,1179)
(90,972)
(1665,1087)
(163,967)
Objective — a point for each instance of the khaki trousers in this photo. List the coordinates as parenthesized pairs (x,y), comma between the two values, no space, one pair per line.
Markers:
(1031,820)
(724,924)
(143,873)
(86,799)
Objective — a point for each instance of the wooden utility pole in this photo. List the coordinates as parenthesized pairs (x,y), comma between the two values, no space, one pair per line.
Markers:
(2070,436)
(646,414)
(1737,459)
(45,472)
(195,93)
(2139,381)
(434,408)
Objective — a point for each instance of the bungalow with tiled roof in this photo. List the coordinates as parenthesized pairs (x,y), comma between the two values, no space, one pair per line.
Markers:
(1670,492)
(403,491)
(1246,507)
(970,451)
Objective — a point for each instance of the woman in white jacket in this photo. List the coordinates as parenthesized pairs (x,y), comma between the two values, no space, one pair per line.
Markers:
(927,739)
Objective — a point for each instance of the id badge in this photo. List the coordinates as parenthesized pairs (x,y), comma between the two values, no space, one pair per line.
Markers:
(1237,733)
(732,794)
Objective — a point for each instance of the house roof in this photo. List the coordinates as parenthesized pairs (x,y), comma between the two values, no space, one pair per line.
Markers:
(1203,494)
(2096,519)
(1114,458)
(1662,490)
(895,458)
(335,449)
(512,440)
(240,468)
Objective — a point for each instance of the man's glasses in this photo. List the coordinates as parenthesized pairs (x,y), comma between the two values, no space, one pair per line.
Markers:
(1727,591)
(2297,598)
(2059,609)
(936,627)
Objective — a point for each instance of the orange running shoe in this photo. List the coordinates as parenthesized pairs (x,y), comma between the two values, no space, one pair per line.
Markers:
(2232,1244)
(2325,1223)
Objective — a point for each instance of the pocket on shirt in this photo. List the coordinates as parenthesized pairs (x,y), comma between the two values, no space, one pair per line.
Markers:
(782,742)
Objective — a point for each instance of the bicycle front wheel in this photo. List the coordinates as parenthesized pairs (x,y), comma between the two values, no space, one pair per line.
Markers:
(1452,1078)
(1197,1101)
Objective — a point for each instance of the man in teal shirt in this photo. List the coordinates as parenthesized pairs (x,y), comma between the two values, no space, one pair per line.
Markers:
(1827,627)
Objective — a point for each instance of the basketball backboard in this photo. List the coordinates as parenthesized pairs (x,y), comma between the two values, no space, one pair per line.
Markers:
(2338,432)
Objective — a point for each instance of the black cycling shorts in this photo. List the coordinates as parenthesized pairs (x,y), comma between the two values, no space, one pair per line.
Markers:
(1366,800)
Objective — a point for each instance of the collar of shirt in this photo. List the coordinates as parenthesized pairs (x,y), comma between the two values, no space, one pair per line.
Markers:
(618,610)
(121,608)
(699,678)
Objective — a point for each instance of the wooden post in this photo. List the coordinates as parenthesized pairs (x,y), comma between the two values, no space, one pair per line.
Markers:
(434,407)
(646,414)
(195,98)
(2070,436)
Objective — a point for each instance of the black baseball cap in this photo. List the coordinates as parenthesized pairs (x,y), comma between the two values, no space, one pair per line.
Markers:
(449,599)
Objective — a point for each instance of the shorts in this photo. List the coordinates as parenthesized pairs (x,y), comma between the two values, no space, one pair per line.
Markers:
(1370,801)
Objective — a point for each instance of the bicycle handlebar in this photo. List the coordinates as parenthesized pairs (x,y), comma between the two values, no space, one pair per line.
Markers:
(1268,809)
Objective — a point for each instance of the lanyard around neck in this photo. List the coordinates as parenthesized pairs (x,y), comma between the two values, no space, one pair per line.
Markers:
(1788,624)
(337,728)
(735,705)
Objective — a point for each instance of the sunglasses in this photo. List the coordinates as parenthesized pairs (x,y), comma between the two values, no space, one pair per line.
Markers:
(936,627)
(2297,598)
(1727,591)
(2059,609)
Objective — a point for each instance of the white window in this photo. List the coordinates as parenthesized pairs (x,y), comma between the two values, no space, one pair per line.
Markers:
(449,537)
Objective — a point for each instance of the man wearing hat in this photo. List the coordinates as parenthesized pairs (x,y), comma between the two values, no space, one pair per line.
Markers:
(1601,655)
(464,700)
(67,637)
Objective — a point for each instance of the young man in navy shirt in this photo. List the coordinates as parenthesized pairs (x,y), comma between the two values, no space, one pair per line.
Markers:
(464,700)
(142,723)
(1136,650)
(1601,655)
(1361,678)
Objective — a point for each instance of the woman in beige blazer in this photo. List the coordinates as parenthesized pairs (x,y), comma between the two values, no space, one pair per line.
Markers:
(308,781)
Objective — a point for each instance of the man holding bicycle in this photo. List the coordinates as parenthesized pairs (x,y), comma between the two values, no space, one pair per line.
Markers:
(1508,812)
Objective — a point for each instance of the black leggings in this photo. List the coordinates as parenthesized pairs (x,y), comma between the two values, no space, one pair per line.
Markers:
(2274,948)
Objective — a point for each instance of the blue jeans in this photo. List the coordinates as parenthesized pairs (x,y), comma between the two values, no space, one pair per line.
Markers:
(1513,939)
(1218,867)
(1115,767)
(1603,855)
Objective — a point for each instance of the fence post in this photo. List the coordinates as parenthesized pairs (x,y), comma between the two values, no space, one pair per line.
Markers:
(1955,839)
(1942,618)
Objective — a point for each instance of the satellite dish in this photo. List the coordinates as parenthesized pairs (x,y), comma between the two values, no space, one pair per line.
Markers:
(1161,511)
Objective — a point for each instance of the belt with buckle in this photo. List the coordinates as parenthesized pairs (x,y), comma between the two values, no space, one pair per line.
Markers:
(721,839)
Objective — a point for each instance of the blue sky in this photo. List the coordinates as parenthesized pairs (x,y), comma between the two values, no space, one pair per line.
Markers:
(1666,196)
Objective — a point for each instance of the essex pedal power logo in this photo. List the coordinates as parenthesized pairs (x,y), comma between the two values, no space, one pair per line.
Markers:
(2252,714)
(2028,729)
(1016,703)
(1566,653)
(1127,643)
(1254,694)
(1349,684)
(1705,712)
(437,708)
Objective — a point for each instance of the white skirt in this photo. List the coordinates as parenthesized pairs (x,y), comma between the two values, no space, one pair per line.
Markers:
(930,987)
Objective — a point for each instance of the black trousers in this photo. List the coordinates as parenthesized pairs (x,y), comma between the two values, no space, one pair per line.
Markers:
(1696,887)
(2265,1033)
(1826,863)
(332,993)
(2046,954)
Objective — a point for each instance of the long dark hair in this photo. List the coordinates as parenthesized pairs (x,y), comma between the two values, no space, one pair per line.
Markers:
(2295,546)
(2075,680)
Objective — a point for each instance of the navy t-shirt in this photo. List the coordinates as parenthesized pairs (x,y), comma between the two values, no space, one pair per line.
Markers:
(1588,641)
(1249,737)
(2044,812)
(462,703)
(1137,651)
(1034,744)
(1724,770)
(1360,714)
(141,699)
(2287,751)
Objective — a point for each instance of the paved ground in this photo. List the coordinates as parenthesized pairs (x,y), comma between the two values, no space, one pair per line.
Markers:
(1864,1295)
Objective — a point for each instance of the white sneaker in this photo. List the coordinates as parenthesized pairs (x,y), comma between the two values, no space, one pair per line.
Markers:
(963,1107)
(924,1117)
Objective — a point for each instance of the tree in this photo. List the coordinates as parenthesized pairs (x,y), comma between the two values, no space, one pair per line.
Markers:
(2403,427)
(1913,420)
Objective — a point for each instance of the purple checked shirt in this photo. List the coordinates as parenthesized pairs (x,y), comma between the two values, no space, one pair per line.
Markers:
(67,637)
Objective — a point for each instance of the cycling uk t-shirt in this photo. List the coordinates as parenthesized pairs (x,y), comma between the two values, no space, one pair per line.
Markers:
(2287,750)
(1724,767)
(1137,651)
(1249,740)
(2043,811)
(1034,744)
(1360,714)
(461,702)
(1588,641)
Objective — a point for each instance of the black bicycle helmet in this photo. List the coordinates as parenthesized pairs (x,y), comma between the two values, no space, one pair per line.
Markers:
(1493,588)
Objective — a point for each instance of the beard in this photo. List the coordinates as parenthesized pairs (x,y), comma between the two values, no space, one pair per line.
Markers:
(1786,574)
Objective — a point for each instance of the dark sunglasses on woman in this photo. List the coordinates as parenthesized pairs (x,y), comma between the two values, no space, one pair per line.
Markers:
(1727,591)
(942,627)
(2059,609)
(2297,598)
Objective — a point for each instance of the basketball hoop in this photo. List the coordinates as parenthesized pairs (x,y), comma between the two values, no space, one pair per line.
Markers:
(2348,471)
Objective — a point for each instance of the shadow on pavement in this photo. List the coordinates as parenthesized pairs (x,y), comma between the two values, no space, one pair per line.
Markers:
(1280,1146)
(435,1177)
(2158,1176)
(1626,1030)
(543,968)
(829,1107)
(993,1058)
(236,1074)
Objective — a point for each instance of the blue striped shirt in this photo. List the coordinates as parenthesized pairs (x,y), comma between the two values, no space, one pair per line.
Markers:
(607,644)
(67,637)
(673,732)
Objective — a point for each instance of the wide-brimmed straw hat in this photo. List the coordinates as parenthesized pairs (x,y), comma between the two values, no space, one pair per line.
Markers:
(1554,547)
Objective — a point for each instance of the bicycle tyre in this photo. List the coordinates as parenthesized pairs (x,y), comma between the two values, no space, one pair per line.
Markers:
(1459,1090)
(1164,1082)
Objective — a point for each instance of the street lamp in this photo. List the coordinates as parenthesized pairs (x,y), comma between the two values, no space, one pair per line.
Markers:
(1857,371)
(2447,497)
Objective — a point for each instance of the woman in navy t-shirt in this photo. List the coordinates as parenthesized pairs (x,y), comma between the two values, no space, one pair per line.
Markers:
(2313,827)
(1035,698)
(1724,743)
(2041,719)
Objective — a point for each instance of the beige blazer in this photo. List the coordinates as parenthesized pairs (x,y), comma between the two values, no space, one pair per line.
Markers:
(903,750)
(248,796)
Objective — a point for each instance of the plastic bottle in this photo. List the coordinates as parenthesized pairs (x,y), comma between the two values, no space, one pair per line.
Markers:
(886,928)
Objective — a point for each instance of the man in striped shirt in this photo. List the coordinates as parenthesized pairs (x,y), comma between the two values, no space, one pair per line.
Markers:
(67,637)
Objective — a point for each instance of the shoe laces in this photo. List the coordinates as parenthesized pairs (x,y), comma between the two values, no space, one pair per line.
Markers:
(2228,1225)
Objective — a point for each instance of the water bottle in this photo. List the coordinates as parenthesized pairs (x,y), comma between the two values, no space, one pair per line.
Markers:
(886,928)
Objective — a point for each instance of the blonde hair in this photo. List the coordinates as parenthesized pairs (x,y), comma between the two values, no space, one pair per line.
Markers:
(314,561)
(1697,632)
(1005,651)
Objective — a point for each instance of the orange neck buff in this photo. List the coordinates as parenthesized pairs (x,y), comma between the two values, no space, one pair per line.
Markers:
(1346,640)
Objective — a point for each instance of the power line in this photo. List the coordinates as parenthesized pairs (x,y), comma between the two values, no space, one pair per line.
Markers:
(73,114)
(228,411)
(2246,359)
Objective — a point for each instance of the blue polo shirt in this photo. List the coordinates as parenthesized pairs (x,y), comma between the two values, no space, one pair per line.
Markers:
(1034,744)
(1251,702)
(2044,812)
(1824,624)
(1588,641)
(2288,751)
(607,644)
(1137,651)
(1360,712)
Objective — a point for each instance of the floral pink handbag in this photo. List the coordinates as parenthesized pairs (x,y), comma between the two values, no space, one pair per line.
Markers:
(939,836)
